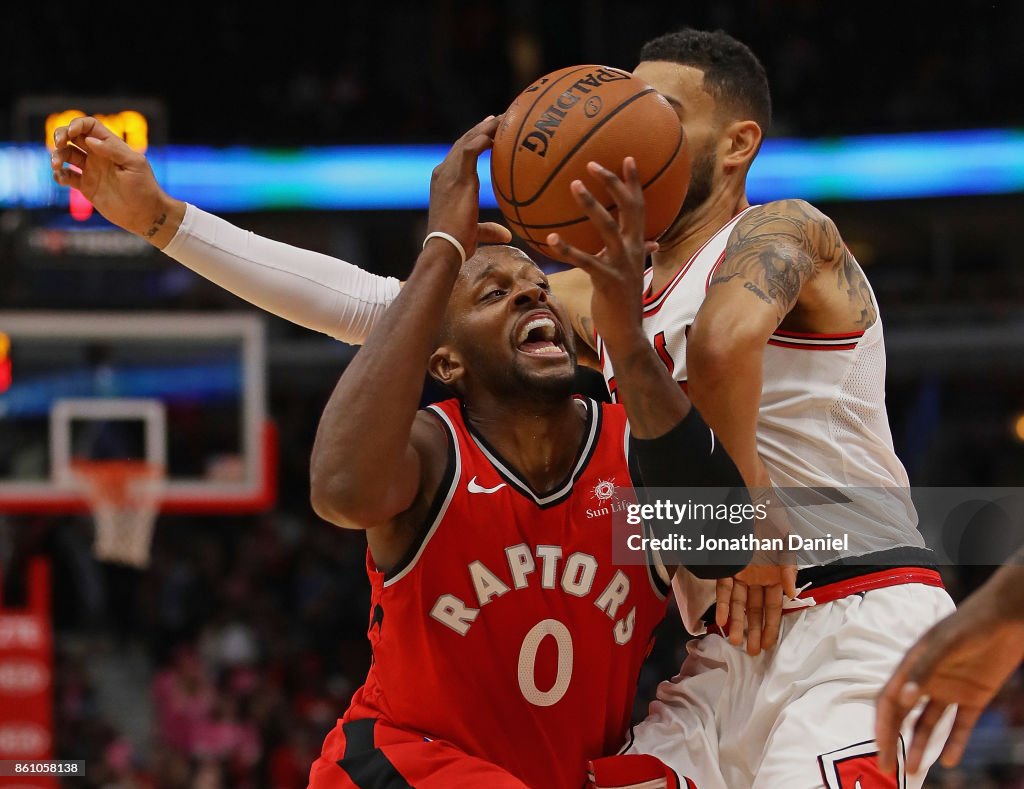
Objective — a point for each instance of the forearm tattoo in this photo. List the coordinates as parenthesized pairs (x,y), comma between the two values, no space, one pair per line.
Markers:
(157,224)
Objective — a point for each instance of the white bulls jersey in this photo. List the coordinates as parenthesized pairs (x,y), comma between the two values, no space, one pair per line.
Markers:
(821,424)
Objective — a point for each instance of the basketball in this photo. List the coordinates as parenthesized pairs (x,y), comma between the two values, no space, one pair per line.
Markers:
(569,118)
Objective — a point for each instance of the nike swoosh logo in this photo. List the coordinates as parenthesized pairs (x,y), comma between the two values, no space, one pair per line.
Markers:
(472,487)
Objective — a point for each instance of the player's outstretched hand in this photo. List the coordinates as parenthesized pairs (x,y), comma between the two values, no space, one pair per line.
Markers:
(617,272)
(962,660)
(455,192)
(115,179)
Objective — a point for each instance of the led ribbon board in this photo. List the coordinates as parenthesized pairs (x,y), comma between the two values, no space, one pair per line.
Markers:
(899,166)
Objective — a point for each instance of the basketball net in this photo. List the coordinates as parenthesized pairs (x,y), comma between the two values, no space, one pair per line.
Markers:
(124,496)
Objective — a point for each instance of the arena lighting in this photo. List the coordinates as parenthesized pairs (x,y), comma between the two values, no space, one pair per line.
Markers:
(129,125)
(881,167)
(5,362)
(1018,427)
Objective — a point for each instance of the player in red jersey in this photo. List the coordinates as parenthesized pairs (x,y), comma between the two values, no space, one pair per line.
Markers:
(506,642)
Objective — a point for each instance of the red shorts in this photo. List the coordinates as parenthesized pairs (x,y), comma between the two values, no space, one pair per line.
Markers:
(361,754)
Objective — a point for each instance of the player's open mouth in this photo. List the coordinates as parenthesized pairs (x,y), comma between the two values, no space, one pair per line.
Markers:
(539,334)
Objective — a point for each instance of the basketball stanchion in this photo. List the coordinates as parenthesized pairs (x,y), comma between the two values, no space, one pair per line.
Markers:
(124,496)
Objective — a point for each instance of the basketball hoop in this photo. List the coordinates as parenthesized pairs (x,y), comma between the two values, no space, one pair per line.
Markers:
(124,496)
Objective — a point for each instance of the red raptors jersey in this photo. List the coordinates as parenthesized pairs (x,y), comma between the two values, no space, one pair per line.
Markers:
(510,633)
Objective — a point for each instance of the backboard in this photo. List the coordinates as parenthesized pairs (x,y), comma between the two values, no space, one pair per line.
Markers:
(183,391)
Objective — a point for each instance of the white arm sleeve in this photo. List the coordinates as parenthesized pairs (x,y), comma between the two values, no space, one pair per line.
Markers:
(313,290)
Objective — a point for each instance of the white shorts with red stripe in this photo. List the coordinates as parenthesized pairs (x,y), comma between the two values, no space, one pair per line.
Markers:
(801,715)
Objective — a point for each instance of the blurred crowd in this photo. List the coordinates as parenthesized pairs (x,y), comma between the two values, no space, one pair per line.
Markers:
(222,665)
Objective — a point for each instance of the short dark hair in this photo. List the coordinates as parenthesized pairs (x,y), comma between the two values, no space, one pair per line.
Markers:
(732,73)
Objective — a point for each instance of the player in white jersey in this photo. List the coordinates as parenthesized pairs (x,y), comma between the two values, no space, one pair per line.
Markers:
(765,315)
(828,389)
(767,318)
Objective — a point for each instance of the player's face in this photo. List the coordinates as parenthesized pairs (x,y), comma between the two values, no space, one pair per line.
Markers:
(505,330)
(683,87)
